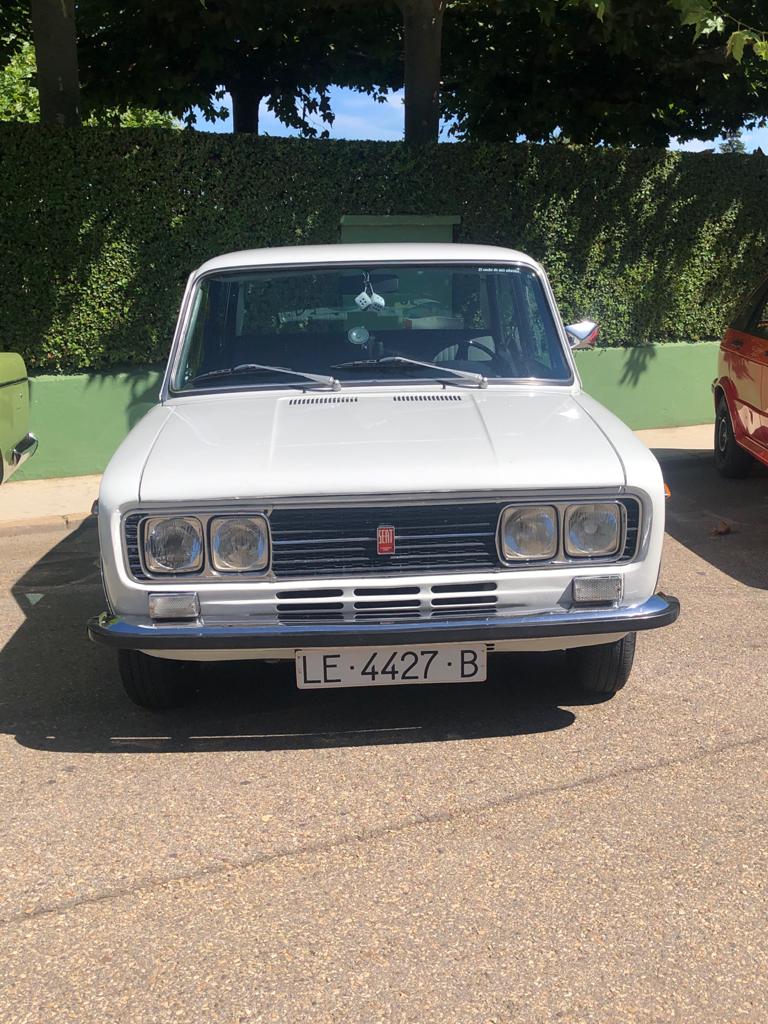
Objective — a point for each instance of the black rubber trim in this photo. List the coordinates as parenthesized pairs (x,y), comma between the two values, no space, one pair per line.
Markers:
(10,383)
(145,635)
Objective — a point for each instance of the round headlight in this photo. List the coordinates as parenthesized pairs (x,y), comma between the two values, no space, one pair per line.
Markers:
(528,533)
(239,544)
(593,529)
(173,544)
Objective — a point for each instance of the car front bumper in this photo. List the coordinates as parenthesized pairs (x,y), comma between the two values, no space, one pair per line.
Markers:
(145,635)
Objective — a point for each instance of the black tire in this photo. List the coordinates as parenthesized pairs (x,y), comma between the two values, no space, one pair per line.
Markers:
(730,458)
(156,684)
(604,668)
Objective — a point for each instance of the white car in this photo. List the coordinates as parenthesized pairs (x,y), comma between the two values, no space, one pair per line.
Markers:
(376,461)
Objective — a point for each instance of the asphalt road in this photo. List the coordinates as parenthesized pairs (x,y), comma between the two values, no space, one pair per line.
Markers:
(497,853)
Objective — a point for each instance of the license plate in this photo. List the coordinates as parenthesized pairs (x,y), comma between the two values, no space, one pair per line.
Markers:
(325,668)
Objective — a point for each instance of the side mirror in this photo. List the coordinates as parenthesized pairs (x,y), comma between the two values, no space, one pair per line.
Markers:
(583,334)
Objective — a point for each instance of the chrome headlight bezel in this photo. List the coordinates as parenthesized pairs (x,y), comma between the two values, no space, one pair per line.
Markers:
(582,551)
(508,554)
(196,561)
(216,526)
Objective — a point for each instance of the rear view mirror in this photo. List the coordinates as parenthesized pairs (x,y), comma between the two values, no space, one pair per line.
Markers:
(582,334)
(383,284)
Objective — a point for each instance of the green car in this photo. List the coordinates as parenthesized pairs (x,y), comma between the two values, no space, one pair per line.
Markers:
(16,443)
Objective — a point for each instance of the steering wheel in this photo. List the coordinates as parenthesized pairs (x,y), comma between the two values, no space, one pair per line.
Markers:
(476,343)
(462,353)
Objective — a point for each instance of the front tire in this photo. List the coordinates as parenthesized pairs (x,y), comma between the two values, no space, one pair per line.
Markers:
(156,684)
(603,668)
(730,458)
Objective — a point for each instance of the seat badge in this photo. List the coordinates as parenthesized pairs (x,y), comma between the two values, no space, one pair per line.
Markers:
(385,540)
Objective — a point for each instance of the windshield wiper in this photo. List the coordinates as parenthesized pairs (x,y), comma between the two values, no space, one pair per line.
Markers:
(314,378)
(402,362)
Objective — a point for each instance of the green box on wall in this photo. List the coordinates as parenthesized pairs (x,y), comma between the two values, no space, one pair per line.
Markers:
(398,228)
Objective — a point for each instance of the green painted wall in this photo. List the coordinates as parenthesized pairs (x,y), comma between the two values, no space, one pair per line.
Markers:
(653,385)
(80,420)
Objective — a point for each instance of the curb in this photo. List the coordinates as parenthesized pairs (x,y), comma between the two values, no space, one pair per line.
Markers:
(35,524)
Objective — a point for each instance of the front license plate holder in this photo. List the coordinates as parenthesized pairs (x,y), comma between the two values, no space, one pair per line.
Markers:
(325,668)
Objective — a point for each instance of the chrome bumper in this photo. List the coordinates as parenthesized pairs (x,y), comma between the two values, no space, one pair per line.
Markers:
(143,634)
(24,450)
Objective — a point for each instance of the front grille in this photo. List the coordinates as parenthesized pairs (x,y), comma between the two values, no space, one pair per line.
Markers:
(341,541)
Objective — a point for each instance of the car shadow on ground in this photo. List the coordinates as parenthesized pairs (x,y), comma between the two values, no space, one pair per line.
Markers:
(724,522)
(60,692)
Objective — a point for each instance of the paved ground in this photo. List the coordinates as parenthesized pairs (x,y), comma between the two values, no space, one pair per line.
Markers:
(504,853)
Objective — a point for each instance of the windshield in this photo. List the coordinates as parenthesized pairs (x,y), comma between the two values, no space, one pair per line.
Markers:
(455,324)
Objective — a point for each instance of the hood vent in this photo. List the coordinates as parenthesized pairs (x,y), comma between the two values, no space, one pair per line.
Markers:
(337,400)
(428,398)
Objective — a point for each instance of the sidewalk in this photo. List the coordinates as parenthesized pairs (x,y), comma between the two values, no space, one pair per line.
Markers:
(65,502)
(57,503)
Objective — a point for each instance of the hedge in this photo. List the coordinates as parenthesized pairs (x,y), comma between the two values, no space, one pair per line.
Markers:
(100,227)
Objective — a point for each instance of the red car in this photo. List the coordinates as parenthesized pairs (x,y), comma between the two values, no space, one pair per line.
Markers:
(741,389)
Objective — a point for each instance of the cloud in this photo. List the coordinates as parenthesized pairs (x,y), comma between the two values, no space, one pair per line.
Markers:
(691,146)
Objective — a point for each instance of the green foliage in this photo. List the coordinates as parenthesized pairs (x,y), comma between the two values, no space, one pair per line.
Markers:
(18,95)
(133,117)
(19,100)
(743,24)
(732,143)
(176,55)
(634,75)
(101,227)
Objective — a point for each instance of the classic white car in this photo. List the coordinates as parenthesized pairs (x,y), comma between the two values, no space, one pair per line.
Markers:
(376,461)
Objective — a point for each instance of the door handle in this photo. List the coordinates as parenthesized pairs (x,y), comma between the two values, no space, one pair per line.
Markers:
(737,343)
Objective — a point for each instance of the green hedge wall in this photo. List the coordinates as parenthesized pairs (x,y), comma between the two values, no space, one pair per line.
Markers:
(100,227)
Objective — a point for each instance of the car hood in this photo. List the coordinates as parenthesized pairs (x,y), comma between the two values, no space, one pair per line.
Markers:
(393,441)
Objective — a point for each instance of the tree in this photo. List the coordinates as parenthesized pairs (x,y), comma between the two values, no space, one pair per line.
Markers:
(636,77)
(611,71)
(732,143)
(20,99)
(183,54)
(176,55)
(423,36)
(53,29)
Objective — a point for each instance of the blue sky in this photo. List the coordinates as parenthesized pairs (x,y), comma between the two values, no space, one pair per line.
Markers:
(360,117)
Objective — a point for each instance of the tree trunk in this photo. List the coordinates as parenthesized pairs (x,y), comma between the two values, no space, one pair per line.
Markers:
(245,109)
(423,32)
(53,30)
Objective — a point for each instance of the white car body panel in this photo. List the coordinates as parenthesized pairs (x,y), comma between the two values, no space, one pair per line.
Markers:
(267,444)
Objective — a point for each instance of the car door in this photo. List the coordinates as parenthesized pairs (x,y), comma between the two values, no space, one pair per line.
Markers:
(745,350)
(14,407)
(758,330)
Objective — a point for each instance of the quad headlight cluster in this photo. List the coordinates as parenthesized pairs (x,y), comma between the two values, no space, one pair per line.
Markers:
(532,532)
(175,545)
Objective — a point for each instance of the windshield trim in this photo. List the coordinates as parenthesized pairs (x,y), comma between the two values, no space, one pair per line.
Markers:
(196,279)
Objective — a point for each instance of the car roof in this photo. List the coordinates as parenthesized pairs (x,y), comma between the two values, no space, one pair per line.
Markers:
(370,252)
